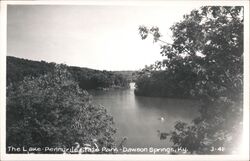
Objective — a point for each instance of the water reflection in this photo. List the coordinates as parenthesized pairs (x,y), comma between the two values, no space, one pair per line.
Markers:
(140,118)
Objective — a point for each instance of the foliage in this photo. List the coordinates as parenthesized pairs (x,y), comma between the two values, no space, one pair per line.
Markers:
(94,79)
(164,83)
(129,74)
(207,56)
(52,111)
(18,68)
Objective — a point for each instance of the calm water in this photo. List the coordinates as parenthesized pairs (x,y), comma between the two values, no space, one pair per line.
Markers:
(139,118)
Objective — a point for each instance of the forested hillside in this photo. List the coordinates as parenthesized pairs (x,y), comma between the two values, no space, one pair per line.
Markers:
(18,68)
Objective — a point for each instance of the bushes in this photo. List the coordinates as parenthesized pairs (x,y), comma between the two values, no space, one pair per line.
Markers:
(52,111)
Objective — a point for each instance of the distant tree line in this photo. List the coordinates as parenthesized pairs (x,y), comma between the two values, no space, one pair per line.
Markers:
(18,69)
(204,61)
(165,83)
(129,74)
(95,79)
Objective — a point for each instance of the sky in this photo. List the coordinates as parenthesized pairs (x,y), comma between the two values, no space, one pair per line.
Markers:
(103,37)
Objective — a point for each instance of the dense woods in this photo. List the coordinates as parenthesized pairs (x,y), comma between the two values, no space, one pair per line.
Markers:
(203,61)
(18,69)
(48,105)
(51,110)
(165,83)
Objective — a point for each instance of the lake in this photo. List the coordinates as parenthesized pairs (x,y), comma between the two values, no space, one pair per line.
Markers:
(140,118)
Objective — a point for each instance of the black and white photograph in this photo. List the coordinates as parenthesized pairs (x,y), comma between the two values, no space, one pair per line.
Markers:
(114,79)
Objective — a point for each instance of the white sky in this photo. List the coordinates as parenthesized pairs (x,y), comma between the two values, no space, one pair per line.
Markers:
(99,37)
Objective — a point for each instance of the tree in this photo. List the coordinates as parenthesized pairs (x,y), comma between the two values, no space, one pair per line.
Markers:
(52,111)
(208,43)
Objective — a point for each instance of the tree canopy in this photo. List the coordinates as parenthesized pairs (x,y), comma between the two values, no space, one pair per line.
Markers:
(18,68)
(203,61)
(52,111)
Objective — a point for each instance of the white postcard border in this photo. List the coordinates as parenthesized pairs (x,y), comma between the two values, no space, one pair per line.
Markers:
(3,53)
